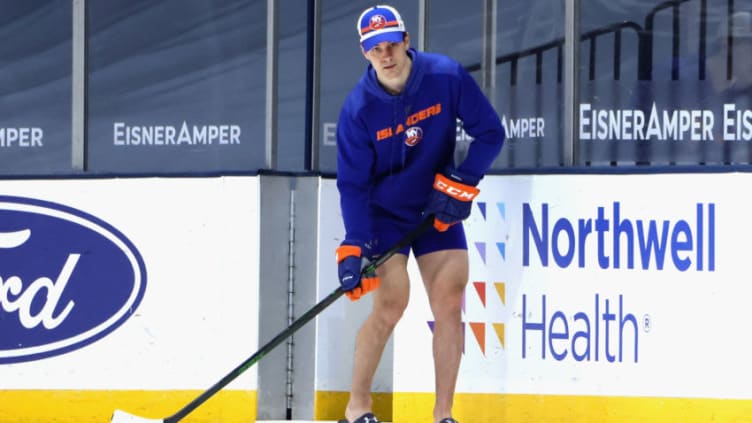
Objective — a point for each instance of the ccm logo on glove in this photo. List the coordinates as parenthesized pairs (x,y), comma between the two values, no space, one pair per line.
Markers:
(454,189)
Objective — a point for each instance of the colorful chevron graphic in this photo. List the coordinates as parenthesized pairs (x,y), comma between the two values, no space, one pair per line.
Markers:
(481,329)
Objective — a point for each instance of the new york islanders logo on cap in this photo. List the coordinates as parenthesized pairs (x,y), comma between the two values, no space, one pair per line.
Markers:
(378,24)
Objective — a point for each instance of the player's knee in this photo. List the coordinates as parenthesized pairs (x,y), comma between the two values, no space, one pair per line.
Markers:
(448,305)
(389,313)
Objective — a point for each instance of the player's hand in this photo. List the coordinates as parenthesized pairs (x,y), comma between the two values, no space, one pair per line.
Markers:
(352,258)
(452,198)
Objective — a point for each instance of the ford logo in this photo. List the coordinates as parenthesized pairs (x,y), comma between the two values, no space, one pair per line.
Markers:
(67,279)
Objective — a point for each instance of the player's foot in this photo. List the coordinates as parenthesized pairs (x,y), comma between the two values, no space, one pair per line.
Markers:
(365,418)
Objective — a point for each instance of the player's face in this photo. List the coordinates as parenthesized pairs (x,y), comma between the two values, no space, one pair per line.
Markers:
(390,59)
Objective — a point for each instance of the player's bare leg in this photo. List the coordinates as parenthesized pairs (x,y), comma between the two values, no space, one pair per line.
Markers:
(445,275)
(389,303)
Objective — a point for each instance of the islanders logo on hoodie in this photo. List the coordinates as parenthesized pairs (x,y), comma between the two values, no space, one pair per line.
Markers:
(413,135)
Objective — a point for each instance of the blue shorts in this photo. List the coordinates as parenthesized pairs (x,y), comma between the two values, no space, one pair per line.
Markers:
(390,232)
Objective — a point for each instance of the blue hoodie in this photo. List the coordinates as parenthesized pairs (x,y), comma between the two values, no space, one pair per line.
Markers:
(390,147)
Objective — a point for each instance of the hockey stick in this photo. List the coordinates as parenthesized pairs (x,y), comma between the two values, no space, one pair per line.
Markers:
(120,416)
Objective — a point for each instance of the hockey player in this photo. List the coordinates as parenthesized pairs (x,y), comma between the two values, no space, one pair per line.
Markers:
(396,138)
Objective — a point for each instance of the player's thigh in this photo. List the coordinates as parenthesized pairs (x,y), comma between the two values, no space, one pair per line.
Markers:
(444,273)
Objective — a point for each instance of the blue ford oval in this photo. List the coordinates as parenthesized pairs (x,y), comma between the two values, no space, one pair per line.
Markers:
(67,279)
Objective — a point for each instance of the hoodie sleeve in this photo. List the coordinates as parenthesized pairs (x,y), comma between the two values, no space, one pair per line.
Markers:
(355,161)
(481,122)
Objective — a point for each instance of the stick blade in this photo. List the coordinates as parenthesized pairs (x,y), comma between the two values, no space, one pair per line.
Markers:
(120,416)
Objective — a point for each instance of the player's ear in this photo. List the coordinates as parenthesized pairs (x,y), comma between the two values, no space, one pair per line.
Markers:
(406,40)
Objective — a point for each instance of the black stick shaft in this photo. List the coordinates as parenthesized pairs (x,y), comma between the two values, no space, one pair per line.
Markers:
(294,326)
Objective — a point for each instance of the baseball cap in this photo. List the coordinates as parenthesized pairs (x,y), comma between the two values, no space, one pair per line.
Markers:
(378,24)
